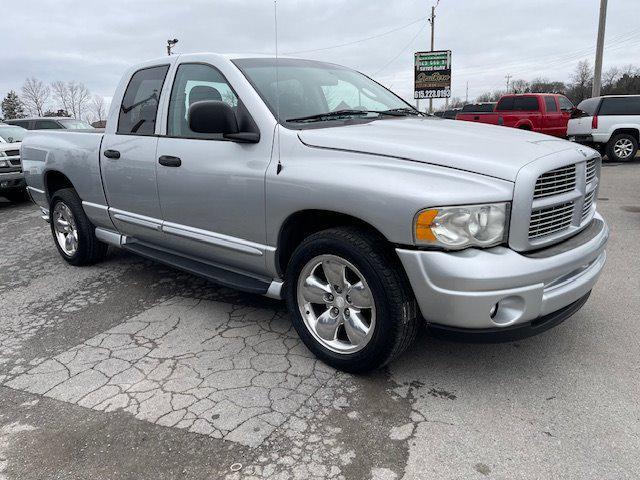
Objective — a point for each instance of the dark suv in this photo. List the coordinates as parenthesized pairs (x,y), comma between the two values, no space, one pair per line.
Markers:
(50,123)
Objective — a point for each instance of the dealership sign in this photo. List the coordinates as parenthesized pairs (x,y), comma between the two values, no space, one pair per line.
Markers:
(432,74)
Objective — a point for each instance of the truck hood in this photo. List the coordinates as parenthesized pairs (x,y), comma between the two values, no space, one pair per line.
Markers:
(485,149)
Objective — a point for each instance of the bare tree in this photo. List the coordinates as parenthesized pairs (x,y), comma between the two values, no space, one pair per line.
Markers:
(99,108)
(61,95)
(520,86)
(35,95)
(582,81)
(79,97)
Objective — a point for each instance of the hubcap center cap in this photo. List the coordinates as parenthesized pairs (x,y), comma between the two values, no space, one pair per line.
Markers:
(340,302)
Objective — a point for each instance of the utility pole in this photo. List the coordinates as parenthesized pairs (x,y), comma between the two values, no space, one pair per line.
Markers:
(466,97)
(508,77)
(597,74)
(432,21)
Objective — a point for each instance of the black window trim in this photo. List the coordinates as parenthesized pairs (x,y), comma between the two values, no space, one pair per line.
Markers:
(168,65)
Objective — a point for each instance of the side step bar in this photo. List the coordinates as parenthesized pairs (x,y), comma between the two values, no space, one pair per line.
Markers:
(218,275)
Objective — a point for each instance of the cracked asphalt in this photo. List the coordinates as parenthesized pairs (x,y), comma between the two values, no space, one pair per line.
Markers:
(130,369)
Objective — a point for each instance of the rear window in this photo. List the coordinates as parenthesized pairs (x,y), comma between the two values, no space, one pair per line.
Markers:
(550,103)
(140,103)
(478,107)
(620,106)
(518,104)
(589,106)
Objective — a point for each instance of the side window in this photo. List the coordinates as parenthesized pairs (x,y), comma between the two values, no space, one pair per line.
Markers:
(140,103)
(19,123)
(620,106)
(505,104)
(550,103)
(194,83)
(565,103)
(46,125)
(526,104)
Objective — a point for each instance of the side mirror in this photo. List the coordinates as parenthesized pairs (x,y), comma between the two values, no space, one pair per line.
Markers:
(214,116)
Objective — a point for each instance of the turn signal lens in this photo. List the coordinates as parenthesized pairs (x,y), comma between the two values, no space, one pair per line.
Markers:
(423,226)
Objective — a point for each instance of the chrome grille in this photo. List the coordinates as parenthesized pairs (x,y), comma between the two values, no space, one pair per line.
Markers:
(12,153)
(555,182)
(588,203)
(591,170)
(548,220)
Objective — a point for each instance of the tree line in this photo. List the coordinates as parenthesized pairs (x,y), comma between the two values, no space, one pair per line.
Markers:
(57,99)
(615,81)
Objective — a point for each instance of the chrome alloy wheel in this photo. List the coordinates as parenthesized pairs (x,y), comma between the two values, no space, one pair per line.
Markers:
(623,148)
(336,304)
(64,225)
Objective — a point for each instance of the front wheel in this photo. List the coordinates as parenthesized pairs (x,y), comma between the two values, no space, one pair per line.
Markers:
(73,232)
(349,299)
(622,148)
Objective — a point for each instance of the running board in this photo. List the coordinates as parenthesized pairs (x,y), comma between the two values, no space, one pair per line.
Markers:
(215,274)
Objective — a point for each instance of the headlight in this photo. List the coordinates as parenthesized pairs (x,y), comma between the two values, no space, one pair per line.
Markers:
(463,226)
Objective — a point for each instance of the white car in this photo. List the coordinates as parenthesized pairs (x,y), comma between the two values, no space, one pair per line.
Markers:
(610,124)
(12,184)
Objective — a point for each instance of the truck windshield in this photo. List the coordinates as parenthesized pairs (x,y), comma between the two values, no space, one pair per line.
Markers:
(12,134)
(303,91)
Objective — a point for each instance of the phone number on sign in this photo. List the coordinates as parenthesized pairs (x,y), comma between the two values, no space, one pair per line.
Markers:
(444,93)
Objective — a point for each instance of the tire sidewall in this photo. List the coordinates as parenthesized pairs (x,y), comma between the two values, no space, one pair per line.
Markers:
(83,226)
(382,341)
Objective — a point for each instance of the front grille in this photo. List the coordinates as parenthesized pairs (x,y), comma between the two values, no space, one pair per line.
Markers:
(591,170)
(588,203)
(15,162)
(549,220)
(555,182)
(12,153)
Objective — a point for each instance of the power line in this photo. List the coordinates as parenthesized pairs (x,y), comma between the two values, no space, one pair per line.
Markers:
(366,39)
(401,51)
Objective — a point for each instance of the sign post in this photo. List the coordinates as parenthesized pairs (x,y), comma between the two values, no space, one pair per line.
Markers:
(432,75)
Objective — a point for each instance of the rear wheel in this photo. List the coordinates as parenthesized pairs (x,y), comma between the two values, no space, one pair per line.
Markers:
(73,233)
(622,148)
(350,300)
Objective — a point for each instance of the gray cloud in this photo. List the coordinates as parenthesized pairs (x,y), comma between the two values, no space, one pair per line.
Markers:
(94,42)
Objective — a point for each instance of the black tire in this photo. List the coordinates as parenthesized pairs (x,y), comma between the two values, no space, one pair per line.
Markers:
(611,150)
(396,310)
(90,250)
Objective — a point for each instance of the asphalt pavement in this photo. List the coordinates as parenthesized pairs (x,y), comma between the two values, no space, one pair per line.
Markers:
(129,369)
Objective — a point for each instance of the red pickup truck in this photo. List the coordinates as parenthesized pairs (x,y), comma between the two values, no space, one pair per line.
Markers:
(540,112)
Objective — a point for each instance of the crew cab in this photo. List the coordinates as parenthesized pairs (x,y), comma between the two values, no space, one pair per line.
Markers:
(51,123)
(310,182)
(538,112)
(12,184)
(610,124)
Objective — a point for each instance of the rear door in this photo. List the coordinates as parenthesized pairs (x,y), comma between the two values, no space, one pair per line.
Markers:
(128,158)
(553,122)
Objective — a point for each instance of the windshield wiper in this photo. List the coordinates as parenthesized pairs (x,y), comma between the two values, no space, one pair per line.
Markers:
(400,112)
(329,115)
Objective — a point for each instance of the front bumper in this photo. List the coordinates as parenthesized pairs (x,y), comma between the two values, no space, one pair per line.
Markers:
(461,289)
(12,181)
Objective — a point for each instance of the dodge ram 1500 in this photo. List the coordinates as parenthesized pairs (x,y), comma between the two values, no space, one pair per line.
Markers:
(311,182)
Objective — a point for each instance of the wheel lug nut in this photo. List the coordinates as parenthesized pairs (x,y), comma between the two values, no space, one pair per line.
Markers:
(346,312)
(335,311)
(349,298)
(338,289)
(330,297)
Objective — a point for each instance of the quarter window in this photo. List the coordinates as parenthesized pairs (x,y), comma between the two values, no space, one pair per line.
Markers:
(620,106)
(140,103)
(525,104)
(46,125)
(550,103)
(195,83)
(565,104)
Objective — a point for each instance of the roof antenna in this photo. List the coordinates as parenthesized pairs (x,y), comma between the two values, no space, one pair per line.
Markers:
(275,21)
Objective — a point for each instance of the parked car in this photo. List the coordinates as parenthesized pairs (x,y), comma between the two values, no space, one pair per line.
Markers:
(539,112)
(610,124)
(447,114)
(481,107)
(12,184)
(309,181)
(51,123)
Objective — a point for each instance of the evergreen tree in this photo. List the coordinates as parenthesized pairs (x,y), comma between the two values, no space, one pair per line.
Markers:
(12,106)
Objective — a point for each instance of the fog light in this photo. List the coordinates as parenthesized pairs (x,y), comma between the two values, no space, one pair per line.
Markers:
(493,311)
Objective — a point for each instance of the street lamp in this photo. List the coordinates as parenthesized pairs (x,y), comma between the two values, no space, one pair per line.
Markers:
(170,45)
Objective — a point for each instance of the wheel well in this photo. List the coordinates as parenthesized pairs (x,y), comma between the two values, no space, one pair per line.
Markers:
(629,131)
(524,126)
(55,181)
(302,224)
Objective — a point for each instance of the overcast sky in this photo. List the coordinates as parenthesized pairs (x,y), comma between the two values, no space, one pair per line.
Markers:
(93,42)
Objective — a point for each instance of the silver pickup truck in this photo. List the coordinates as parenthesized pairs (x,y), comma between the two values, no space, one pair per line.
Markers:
(311,182)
